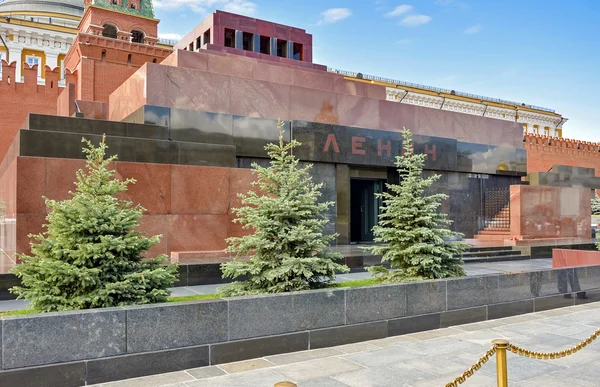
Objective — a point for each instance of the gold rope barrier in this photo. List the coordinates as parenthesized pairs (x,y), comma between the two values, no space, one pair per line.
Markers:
(499,349)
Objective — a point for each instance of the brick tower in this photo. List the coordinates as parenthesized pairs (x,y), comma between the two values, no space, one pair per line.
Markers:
(115,38)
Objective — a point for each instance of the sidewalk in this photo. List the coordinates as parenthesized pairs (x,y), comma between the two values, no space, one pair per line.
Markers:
(429,359)
(471,269)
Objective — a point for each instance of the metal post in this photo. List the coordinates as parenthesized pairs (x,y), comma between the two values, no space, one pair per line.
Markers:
(285,384)
(501,347)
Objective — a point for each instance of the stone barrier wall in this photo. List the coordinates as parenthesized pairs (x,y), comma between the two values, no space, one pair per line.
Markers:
(87,347)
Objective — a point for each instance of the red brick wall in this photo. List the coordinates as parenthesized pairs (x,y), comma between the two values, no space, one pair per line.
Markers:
(19,99)
(543,152)
(189,205)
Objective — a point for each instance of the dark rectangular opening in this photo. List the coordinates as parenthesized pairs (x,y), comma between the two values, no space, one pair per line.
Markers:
(297,55)
(229,38)
(247,40)
(282,48)
(206,37)
(198,42)
(191,46)
(364,208)
(265,45)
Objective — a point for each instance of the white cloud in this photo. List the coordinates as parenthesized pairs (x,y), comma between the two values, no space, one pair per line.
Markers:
(170,36)
(243,7)
(333,15)
(473,29)
(415,20)
(399,10)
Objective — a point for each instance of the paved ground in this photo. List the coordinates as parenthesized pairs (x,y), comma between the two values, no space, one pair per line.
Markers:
(429,359)
(471,268)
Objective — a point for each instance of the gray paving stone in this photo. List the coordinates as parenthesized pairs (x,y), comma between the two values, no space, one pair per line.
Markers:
(384,356)
(357,347)
(246,365)
(317,368)
(297,357)
(521,368)
(321,382)
(382,376)
(257,378)
(205,372)
(167,380)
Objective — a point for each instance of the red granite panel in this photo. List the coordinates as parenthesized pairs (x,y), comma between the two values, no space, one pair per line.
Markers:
(155,225)
(131,95)
(376,91)
(393,116)
(345,86)
(199,190)
(152,188)
(196,90)
(8,190)
(197,232)
(357,111)
(240,181)
(156,82)
(259,99)
(271,73)
(265,28)
(433,122)
(314,105)
(61,176)
(229,66)
(313,80)
(193,60)
(28,224)
(31,184)
(515,210)
(574,258)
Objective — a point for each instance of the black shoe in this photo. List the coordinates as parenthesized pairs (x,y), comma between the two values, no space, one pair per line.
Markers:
(582,296)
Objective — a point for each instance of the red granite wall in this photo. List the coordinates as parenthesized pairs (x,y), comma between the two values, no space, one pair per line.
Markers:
(224,83)
(550,212)
(189,205)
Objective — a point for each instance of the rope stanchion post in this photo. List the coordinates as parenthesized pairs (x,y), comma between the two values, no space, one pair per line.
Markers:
(501,368)
(285,384)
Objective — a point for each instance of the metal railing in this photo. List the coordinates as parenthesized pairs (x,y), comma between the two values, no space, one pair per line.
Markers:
(500,349)
(497,208)
(396,82)
(168,42)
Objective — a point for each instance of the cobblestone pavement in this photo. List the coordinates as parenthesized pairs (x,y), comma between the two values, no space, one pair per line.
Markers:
(430,359)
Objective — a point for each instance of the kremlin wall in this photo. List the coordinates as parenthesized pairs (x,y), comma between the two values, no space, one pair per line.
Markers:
(188,123)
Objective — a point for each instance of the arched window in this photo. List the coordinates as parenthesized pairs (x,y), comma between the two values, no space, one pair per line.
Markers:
(129,60)
(103,56)
(137,36)
(133,6)
(109,31)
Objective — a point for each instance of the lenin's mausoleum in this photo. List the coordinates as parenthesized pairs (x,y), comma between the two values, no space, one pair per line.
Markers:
(187,123)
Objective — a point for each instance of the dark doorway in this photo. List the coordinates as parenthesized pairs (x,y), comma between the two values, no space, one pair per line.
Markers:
(364,208)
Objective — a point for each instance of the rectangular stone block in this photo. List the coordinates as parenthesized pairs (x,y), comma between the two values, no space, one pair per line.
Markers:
(137,365)
(62,337)
(508,309)
(425,297)
(463,316)
(406,325)
(514,287)
(552,302)
(252,348)
(469,292)
(283,313)
(375,303)
(348,334)
(151,328)
(63,375)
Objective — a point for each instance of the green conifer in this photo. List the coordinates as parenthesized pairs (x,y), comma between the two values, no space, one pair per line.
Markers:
(596,205)
(289,249)
(90,256)
(413,235)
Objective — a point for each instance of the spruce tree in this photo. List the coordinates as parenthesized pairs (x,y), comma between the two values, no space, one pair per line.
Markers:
(90,256)
(596,205)
(290,251)
(413,235)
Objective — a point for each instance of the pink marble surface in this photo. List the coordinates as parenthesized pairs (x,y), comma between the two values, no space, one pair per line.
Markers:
(152,188)
(357,111)
(314,105)
(229,66)
(131,95)
(197,191)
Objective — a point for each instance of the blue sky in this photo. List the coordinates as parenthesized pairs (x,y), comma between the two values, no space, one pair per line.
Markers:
(544,53)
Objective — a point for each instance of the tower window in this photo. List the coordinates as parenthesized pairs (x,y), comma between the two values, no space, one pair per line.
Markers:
(248,39)
(265,45)
(207,37)
(133,6)
(137,36)
(129,60)
(282,48)
(229,38)
(109,31)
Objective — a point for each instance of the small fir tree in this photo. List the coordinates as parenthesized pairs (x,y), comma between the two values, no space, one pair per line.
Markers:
(290,251)
(90,256)
(414,235)
(596,205)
